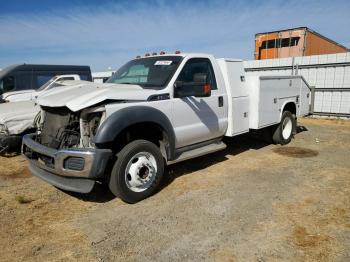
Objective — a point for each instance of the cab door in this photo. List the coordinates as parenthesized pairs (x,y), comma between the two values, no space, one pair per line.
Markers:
(197,119)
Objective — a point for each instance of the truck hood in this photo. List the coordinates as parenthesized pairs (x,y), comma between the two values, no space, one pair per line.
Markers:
(18,116)
(82,96)
(16,93)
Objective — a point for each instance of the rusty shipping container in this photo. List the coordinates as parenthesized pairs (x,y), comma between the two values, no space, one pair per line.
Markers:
(300,41)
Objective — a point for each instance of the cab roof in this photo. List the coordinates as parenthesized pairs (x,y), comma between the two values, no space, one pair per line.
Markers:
(22,67)
(191,55)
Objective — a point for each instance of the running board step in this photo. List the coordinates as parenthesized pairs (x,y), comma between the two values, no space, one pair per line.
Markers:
(201,151)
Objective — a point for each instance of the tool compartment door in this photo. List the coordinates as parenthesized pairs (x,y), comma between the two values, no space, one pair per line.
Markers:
(304,98)
(240,115)
(268,109)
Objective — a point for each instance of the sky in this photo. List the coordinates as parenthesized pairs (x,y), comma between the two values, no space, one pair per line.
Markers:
(106,34)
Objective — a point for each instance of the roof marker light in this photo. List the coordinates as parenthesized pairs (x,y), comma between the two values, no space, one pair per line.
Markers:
(147,54)
(162,53)
(154,53)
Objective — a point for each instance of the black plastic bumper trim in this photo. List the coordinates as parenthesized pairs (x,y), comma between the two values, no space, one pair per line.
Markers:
(80,185)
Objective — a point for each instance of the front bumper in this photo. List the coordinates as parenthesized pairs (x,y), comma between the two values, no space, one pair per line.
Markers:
(69,169)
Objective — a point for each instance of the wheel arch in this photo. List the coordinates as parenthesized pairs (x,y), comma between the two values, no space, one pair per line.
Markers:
(138,120)
(288,106)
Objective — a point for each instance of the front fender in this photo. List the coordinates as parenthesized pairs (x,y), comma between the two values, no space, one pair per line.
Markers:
(123,118)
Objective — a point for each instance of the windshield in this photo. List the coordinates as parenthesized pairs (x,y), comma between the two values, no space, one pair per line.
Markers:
(47,84)
(149,72)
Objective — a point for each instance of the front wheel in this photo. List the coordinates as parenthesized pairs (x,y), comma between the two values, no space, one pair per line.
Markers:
(137,171)
(284,132)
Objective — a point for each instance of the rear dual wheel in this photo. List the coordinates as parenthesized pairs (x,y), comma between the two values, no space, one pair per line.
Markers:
(137,171)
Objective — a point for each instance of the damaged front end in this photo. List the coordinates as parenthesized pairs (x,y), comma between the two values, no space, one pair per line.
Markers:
(62,151)
(61,128)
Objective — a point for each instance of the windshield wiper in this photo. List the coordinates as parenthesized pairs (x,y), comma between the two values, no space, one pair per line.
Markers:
(139,84)
(149,85)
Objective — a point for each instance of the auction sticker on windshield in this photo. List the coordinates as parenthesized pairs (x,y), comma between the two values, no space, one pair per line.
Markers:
(163,62)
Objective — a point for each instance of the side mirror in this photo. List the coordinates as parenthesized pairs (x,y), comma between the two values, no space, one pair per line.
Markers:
(198,88)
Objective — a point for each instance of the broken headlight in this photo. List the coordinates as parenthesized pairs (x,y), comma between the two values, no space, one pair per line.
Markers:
(91,120)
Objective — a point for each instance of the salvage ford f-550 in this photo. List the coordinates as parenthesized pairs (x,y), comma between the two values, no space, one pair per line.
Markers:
(155,111)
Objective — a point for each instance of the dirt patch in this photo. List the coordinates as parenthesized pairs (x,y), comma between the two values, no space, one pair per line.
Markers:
(297,152)
(318,217)
(15,174)
(324,121)
(317,246)
(222,255)
(35,226)
(13,167)
(34,218)
(305,240)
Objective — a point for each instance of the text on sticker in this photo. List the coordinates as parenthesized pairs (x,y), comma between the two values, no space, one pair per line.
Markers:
(163,62)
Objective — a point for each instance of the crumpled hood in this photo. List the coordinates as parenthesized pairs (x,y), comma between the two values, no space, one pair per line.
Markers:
(18,116)
(82,96)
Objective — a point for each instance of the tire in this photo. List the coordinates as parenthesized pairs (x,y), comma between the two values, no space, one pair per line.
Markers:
(137,171)
(284,132)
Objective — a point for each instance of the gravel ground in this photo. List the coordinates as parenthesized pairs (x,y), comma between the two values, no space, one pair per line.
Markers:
(251,202)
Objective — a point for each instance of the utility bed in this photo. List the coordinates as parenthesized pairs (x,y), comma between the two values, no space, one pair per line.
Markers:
(257,101)
(269,94)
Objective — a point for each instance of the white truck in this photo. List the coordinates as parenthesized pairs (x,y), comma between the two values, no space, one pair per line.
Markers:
(27,95)
(17,118)
(155,111)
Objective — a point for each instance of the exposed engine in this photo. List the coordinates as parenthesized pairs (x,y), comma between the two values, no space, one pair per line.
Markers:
(61,128)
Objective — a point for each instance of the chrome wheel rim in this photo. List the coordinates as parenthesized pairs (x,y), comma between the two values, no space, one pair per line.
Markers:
(287,128)
(140,172)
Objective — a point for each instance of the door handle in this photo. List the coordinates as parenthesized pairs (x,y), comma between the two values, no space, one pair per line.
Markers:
(221,101)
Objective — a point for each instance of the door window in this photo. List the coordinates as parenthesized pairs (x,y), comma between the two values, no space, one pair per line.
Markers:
(7,84)
(24,80)
(84,77)
(66,78)
(198,67)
